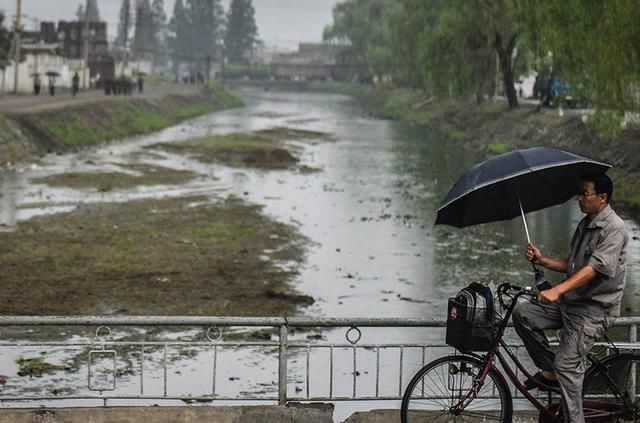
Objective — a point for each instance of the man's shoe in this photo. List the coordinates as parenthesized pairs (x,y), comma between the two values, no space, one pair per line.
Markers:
(539,381)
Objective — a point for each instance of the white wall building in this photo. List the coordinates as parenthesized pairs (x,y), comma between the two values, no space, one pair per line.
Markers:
(40,59)
(133,67)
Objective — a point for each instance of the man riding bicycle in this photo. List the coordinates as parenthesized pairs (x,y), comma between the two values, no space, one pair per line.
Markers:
(585,304)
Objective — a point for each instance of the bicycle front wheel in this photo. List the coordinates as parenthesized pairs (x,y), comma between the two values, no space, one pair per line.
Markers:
(617,382)
(449,389)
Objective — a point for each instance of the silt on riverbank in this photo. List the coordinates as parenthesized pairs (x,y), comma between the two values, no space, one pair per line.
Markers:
(181,256)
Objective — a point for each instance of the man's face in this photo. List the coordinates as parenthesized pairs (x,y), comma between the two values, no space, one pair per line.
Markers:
(590,202)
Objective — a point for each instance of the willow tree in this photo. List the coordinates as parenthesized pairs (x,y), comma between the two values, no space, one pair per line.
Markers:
(412,35)
(458,58)
(502,22)
(596,45)
(461,48)
(365,27)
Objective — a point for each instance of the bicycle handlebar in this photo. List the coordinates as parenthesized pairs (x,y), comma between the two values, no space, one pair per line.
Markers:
(503,288)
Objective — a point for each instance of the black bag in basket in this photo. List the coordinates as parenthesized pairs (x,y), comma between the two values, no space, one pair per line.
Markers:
(471,319)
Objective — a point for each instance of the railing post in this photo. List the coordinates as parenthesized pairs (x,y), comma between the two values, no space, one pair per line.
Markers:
(282,365)
(633,338)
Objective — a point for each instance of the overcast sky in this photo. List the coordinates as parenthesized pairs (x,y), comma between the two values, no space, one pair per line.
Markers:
(281,23)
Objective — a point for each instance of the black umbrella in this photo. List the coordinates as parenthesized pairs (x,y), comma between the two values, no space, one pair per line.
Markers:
(52,73)
(513,184)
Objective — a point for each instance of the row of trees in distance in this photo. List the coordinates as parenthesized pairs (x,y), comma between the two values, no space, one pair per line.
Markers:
(465,48)
(197,33)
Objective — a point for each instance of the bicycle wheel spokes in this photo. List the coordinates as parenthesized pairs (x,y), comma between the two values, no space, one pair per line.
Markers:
(618,382)
(449,390)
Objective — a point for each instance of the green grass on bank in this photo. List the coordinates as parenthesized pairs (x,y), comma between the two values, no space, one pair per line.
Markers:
(89,124)
(225,97)
(155,79)
(118,120)
(238,141)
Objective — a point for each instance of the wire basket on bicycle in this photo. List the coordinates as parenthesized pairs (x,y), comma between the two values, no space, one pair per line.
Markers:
(472,319)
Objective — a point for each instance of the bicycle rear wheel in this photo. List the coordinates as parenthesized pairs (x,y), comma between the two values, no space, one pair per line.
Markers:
(618,376)
(449,390)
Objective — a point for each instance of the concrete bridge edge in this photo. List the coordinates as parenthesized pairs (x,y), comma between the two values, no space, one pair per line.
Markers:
(293,413)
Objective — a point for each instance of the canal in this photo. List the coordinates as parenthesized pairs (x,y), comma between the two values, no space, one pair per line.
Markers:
(368,210)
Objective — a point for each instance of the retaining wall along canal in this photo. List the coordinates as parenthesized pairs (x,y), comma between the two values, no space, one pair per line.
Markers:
(294,413)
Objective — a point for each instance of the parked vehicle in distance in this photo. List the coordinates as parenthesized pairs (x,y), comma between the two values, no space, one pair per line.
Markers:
(570,95)
(562,93)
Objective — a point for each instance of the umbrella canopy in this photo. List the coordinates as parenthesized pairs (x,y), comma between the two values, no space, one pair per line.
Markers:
(515,183)
(52,73)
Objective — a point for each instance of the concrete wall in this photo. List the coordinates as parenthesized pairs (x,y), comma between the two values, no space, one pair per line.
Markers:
(305,71)
(41,64)
(25,83)
(133,66)
(294,413)
(393,416)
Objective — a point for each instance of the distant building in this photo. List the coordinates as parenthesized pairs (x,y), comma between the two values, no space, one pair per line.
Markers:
(70,37)
(59,49)
(311,61)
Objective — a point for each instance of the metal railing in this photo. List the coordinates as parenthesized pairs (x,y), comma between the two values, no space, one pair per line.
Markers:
(129,362)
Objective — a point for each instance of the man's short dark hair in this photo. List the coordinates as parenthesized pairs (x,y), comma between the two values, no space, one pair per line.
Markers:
(602,184)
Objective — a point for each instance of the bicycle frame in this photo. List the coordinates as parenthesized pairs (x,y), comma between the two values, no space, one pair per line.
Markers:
(494,352)
(550,413)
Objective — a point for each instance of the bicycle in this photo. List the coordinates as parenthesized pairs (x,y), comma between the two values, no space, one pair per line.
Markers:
(468,386)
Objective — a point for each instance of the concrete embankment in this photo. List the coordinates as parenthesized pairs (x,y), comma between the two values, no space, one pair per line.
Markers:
(294,413)
(72,125)
(393,416)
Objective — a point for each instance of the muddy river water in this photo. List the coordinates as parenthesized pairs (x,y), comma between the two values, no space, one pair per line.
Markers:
(369,210)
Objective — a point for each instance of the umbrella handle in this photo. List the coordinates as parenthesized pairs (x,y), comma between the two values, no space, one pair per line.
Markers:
(526,229)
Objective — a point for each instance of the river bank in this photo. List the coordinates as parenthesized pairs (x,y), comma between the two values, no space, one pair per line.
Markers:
(492,128)
(121,232)
(72,124)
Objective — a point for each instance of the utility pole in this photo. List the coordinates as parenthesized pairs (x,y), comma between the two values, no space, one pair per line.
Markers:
(126,37)
(17,44)
(140,24)
(86,46)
